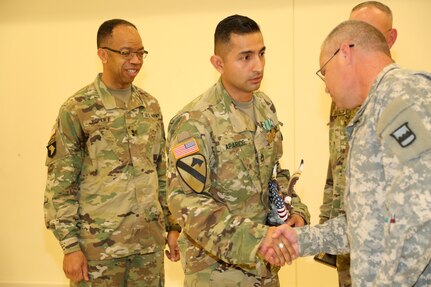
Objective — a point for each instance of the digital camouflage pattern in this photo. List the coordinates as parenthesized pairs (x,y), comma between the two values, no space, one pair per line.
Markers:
(131,271)
(218,189)
(333,194)
(388,199)
(106,187)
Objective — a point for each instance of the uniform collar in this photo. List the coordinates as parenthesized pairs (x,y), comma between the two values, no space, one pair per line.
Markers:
(373,90)
(239,120)
(110,102)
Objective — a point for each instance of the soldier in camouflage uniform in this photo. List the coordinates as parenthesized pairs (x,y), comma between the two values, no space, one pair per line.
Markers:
(380,16)
(105,198)
(222,148)
(387,224)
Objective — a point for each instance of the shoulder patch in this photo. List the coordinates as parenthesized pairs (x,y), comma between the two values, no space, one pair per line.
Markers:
(52,144)
(193,171)
(185,148)
(402,130)
(404,135)
(52,149)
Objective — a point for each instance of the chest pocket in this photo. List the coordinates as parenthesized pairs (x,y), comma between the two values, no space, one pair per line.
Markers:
(234,161)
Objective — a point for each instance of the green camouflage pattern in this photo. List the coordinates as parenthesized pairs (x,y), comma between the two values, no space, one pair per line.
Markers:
(343,270)
(131,271)
(223,275)
(388,195)
(106,186)
(225,221)
(333,193)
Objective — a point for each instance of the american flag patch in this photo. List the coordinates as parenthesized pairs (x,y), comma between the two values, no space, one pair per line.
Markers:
(185,148)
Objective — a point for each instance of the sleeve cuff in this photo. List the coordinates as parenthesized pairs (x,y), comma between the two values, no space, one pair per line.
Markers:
(70,245)
(175,227)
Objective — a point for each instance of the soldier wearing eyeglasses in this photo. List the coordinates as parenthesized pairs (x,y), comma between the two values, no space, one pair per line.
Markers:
(105,197)
(380,16)
(387,222)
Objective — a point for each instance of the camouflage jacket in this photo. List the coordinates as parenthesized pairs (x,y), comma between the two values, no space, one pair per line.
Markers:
(106,186)
(219,165)
(388,195)
(333,194)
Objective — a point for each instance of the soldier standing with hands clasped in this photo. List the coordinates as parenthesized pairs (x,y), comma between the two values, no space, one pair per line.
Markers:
(105,197)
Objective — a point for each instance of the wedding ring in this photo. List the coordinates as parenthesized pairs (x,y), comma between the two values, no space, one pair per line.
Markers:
(280,245)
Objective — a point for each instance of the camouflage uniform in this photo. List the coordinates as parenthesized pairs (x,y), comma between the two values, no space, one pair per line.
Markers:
(219,165)
(106,186)
(388,195)
(333,194)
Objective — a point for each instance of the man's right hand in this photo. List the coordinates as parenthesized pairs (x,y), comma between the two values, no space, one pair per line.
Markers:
(75,266)
(277,250)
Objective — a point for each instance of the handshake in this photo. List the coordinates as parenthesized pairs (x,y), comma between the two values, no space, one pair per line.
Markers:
(280,245)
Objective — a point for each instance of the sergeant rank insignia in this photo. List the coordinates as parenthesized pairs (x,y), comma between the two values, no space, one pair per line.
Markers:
(193,171)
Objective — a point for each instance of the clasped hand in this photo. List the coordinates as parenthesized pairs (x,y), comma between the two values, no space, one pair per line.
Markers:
(280,245)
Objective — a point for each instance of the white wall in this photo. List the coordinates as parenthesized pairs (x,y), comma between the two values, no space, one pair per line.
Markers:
(48,51)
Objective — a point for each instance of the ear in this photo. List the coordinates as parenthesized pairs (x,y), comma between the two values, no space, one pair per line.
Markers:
(346,53)
(393,34)
(103,55)
(217,62)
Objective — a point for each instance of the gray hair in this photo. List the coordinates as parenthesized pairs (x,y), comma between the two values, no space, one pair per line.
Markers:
(359,33)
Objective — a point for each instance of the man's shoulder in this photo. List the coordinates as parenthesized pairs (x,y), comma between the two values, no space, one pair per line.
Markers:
(206,102)
(85,96)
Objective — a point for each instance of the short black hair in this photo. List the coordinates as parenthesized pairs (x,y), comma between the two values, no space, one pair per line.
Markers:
(105,30)
(236,24)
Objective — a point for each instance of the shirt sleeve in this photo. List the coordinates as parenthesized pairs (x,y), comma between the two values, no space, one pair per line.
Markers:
(64,163)
(170,222)
(405,133)
(329,237)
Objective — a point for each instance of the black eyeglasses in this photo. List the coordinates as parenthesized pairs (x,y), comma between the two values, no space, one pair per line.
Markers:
(319,72)
(127,54)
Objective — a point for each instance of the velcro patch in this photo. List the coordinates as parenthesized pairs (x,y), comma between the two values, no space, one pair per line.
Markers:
(404,135)
(52,149)
(402,130)
(52,144)
(185,148)
(193,171)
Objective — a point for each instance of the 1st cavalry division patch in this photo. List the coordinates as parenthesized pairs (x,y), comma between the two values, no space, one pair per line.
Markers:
(193,171)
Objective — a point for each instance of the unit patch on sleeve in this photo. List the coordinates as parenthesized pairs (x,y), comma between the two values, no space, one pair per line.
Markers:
(52,149)
(402,130)
(52,144)
(193,171)
(404,135)
(185,148)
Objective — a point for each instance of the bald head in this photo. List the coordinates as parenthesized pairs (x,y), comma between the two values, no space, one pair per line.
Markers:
(378,15)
